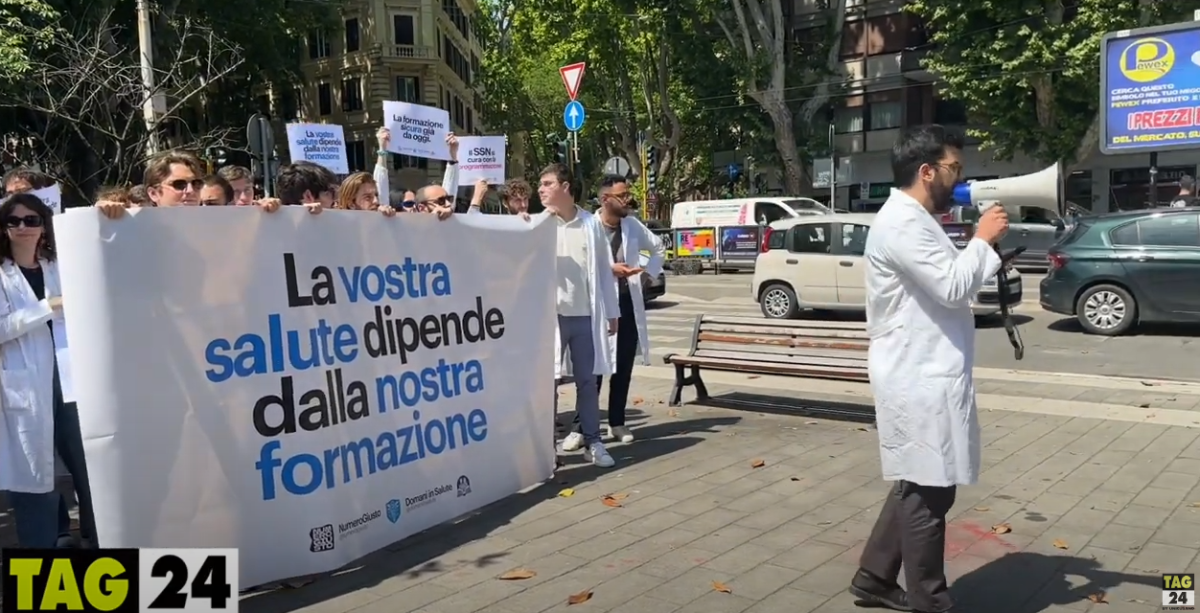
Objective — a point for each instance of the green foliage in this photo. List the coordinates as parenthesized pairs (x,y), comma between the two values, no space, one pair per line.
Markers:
(1028,70)
(26,26)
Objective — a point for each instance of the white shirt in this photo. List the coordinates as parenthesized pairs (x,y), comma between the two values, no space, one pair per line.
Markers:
(573,296)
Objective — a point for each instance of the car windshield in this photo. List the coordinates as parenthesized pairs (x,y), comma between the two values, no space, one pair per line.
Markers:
(805,205)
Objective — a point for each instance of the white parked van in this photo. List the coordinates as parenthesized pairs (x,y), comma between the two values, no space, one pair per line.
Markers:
(742,211)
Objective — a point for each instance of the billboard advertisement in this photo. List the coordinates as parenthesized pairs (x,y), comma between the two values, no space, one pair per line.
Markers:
(740,242)
(696,243)
(1150,89)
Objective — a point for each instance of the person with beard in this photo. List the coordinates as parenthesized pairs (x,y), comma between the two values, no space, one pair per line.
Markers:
(920,360)
(627,238)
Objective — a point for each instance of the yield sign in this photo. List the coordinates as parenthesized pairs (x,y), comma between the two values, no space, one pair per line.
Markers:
(572,76)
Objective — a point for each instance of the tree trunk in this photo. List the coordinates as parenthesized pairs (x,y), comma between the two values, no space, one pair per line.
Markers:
(795,176)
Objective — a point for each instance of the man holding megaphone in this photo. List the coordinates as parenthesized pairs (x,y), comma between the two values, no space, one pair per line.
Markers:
(922,349)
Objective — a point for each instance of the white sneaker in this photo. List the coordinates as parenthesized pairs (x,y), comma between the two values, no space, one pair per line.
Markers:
(573,442)
(620,433)
(598,456)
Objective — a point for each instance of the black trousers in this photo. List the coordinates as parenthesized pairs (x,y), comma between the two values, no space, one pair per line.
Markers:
(627,349)
(911,532)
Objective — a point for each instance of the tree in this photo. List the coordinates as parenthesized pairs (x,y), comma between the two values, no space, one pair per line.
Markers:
(28,27)
(757,31)
(1027,71)
(80,107)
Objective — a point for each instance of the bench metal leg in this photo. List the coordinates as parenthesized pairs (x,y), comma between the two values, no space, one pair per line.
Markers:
(692,378)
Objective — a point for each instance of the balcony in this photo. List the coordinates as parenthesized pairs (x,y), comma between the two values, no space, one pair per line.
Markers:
(412,53)
(911,64)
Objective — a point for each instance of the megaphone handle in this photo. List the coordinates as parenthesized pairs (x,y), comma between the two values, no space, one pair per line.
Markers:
(1010,327)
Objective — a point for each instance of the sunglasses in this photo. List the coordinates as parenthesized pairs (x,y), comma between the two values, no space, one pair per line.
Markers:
(180,185)
(441,201)
(408,204)
(29,221)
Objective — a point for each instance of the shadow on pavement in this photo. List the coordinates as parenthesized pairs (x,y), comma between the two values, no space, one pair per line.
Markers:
(416,555)
(659,305)
(1070,324)
(1029,582)
(783,405)
(995,321)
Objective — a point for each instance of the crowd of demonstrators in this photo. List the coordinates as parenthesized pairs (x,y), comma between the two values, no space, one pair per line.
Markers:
(600,311)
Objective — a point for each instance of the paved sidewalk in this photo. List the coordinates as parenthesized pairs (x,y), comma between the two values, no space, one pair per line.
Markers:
(1092,509)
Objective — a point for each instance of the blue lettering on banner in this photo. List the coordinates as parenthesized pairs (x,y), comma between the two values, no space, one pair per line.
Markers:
(332,346)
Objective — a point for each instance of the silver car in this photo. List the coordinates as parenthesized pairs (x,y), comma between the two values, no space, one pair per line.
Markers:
(1035,229)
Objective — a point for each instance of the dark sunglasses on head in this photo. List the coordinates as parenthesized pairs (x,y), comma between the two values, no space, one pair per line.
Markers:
(182,184)
(29,221)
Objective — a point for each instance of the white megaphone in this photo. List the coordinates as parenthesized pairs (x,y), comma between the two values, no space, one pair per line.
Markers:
(1043,190)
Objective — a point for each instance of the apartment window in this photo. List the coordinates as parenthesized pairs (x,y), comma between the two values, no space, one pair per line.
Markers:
(408,161)
(456,60)
(352,98)
(885,115)
(318,45)
(808,40)
(356,156)
(854,43)
(470,121)
(408,89)
(325,99)
(353,43)
(848,120)
(887,34)
(289,105)
(404,31)
(457,17)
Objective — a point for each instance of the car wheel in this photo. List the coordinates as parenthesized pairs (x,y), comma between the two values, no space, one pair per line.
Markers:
(778,301)
(1107,310)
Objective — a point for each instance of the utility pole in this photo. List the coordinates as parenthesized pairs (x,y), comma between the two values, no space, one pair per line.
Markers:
(146,47)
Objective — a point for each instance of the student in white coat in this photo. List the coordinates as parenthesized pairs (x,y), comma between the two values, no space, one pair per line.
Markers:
(36,421)
(922,348)
(586,304)
(627,237)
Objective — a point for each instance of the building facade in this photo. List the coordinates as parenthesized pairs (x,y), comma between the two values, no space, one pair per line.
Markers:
(883,89)
(420,51)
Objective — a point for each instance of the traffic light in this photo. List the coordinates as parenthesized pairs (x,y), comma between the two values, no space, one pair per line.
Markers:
(562,153)
(651,169)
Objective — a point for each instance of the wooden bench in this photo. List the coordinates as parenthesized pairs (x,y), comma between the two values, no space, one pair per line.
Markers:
(810,349)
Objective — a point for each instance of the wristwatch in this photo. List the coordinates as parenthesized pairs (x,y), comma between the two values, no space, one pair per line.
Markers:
(451,162)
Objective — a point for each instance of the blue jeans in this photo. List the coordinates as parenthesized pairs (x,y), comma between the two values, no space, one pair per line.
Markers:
(42,518)
(575,334)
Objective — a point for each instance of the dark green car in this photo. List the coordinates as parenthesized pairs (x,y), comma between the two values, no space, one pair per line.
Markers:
(1113,271)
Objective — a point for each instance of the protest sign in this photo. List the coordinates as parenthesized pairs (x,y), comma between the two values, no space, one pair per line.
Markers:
(417,130)
(480,157)
(319,143)
(51,196)
(306,389)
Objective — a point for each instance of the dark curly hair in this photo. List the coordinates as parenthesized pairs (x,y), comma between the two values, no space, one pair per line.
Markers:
(47,249)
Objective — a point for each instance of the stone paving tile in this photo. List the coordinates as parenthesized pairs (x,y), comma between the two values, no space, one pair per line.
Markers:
(1093,506)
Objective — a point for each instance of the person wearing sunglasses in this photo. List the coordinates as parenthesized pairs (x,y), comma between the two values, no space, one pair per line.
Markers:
(411,203)
(627,239)
(35,421)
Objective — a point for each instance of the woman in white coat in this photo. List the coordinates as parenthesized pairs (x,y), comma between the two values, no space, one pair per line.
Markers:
(36,422)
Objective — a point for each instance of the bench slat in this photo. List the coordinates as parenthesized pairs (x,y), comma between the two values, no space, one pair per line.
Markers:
(819,372)
(786,342)
(782,360)
(772,330)
(785,323)
(815,352)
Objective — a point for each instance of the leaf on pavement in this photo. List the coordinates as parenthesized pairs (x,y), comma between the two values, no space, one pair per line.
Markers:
(1098,598)
(1060,544)
(1001,528)
(795,478)
(567,493)
(637,400)
(610,501)
(861,429)
(518,574)
(757,463)
(579,598)
(721,587)
(753,376)
(672,413)
(811,423)
(1195,505)
(982,509)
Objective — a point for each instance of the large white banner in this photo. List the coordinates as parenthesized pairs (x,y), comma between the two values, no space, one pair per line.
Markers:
(307,389)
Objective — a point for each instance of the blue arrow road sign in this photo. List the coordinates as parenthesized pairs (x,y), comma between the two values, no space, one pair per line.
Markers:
(573,115)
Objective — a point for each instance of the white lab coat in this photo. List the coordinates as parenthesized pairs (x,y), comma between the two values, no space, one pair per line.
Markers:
(602,286)
(27,382)
(636,238)
(922,348)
